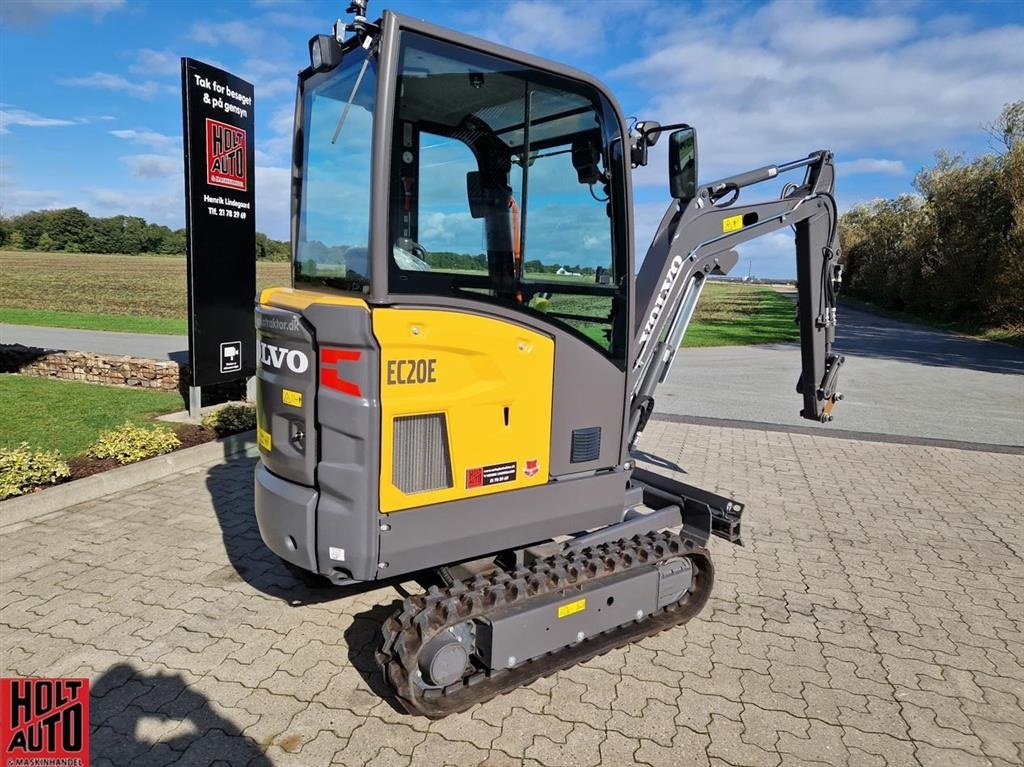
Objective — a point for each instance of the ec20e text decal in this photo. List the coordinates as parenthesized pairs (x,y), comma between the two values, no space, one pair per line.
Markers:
(412,371)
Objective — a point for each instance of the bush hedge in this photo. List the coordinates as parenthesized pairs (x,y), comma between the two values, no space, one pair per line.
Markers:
(231,419)
(23,469)
(129,443)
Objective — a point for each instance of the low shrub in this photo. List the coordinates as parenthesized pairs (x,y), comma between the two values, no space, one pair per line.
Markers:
(231,419)
(23,469)
(129,443)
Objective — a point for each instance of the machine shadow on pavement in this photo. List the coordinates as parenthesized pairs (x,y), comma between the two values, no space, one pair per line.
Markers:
(362,637)
(863,334)
(231,491)
(139,718)
(656,460)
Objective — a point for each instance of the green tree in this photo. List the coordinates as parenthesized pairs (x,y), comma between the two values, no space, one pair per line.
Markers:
(953,252)
(69,226)
(1008,128)
(45,242)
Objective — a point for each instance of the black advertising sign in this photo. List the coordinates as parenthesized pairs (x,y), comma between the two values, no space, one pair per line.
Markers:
(220,216)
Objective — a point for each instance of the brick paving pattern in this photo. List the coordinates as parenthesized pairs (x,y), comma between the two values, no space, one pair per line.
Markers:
(875,617)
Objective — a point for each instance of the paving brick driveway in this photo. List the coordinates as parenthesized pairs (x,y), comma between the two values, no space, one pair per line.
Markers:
(875,617)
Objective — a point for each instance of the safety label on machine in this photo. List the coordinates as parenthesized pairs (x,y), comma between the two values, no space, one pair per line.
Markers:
(495,474)
(572,608)
(732,223)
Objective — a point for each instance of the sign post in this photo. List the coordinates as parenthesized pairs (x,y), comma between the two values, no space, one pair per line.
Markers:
(220,222)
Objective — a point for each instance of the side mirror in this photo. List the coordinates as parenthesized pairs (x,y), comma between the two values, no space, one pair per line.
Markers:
(682,164)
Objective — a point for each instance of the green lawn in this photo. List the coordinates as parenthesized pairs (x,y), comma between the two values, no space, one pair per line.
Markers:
(119,322)
(67,415)
(734,314)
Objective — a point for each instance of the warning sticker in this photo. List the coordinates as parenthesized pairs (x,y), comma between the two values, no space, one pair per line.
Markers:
(494,474)
(572,608)
(732,223)
(264,439)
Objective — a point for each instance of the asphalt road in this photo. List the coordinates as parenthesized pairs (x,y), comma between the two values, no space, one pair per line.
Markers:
(898,379)
(148,346)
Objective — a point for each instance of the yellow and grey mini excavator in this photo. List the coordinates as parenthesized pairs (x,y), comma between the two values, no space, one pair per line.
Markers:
(454,381)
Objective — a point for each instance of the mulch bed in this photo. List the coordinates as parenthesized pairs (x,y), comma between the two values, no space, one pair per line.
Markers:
(189,434)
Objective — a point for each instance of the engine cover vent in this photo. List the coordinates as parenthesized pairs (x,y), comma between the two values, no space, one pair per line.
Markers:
(421,458)
(586,445)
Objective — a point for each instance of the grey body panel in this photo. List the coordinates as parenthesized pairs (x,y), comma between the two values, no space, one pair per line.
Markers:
(286,515)
(534,628)
(280,335)
(349,467)
(443,533)
(584,380)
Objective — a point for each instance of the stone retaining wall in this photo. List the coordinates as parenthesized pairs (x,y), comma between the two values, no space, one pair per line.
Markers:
(95,368)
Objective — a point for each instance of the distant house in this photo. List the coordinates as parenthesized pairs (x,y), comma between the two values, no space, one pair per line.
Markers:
(566,273)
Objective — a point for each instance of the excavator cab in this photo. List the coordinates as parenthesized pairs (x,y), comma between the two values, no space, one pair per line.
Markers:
(455,378)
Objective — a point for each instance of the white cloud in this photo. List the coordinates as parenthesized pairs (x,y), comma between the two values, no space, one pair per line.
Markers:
(32,12)
(855,85)
(15,200)
(277,148)
(165,205)
(273,201)
(241,34)
(145,89)
(146,137)
(155,63)
(153,165)
(12,116)
(871,165)
(548,27)
(308,24)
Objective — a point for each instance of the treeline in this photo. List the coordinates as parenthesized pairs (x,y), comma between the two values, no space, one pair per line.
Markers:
(470,263)
(74,231)
(954,251)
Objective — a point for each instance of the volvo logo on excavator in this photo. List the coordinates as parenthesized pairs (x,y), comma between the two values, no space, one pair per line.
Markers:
(660,301)
(278,356)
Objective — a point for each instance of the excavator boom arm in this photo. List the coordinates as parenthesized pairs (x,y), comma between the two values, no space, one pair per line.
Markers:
(696,239)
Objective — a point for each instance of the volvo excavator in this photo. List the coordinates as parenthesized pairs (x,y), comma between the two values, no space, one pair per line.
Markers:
(450,390)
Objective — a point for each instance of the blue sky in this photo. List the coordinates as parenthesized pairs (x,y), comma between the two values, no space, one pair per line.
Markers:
(90,110)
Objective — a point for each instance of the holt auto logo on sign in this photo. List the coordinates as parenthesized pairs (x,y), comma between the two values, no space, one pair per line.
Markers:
(225,155)
(44,722)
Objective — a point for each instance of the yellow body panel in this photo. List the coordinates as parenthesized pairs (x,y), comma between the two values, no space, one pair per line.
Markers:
(292,298)
(471,368)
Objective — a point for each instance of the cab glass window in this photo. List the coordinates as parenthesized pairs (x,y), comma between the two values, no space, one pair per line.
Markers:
(502,189)
(334,202)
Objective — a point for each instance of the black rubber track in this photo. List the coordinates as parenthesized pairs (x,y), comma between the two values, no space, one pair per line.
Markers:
(421,617)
